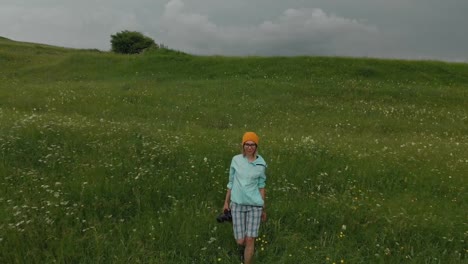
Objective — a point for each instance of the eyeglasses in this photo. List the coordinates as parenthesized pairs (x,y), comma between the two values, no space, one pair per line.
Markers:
(250,145)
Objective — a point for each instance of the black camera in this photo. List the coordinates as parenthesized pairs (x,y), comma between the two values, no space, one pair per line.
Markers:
(226,216)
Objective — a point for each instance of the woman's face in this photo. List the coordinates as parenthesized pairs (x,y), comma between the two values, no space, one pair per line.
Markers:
(250,147)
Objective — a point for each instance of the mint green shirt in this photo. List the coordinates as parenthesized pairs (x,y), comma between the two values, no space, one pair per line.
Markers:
(245,180)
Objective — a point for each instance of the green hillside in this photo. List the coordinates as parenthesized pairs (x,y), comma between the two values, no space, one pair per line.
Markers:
(108,158)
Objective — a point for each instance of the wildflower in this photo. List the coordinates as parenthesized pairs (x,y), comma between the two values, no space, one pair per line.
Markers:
(387,251)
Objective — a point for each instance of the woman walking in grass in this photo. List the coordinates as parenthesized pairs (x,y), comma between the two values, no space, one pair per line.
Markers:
(245,196)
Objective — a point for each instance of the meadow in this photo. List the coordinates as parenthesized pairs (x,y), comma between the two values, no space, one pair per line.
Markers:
(108,158)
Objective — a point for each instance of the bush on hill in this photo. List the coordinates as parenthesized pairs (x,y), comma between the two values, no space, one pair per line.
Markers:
(131,42)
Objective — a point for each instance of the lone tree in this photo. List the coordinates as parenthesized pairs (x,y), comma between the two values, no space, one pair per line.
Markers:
(131,42)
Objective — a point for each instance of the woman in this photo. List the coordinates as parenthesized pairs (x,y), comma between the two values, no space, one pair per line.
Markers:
(245,196)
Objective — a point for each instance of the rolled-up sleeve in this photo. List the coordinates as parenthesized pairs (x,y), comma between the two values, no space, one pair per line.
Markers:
(231,175)
(262,179)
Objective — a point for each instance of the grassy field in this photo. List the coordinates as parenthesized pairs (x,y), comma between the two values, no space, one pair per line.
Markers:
(109,158)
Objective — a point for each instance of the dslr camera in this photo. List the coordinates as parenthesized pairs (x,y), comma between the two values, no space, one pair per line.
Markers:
(224,217)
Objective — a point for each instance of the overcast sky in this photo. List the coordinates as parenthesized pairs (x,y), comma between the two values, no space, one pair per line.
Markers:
(408,29)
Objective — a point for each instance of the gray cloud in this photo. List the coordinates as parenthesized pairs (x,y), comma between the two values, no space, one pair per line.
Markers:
(295,32)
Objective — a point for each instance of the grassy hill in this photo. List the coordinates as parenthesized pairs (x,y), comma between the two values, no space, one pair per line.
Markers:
(124,159)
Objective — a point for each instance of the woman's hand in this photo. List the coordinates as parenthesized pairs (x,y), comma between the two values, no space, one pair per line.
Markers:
(264,215)
(226,201)
(226,207)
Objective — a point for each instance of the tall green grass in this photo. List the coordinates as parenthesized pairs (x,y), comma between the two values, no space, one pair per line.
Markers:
(115,158)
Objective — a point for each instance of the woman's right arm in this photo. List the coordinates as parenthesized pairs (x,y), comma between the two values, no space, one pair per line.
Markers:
(227,200)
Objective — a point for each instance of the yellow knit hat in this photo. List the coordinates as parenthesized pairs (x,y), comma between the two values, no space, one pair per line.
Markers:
(250,136)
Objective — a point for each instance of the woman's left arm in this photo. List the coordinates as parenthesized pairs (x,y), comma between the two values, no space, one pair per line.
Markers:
(264,215)
(261,188)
